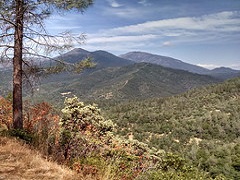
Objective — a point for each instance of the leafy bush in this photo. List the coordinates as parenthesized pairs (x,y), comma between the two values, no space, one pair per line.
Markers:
(42,122)
(83,129)
(22,134)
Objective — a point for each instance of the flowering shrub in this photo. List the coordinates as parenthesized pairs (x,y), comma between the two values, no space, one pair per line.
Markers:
(83,129)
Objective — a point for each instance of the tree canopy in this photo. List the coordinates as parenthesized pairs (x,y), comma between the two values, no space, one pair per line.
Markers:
(36,39)
(23,36)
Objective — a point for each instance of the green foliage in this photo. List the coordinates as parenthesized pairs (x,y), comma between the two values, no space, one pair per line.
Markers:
(78,117)
(63,66)
(89,146)
(173,175)
(22,134)
(82,128)
(69,5)
(172,166)
(202,124)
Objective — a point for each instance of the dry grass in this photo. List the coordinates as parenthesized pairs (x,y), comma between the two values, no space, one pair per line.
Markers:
(18,162)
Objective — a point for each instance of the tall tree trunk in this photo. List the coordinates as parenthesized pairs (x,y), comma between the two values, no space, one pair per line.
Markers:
(17,66)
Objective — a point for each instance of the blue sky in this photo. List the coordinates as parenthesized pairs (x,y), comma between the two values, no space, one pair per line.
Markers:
(202,32)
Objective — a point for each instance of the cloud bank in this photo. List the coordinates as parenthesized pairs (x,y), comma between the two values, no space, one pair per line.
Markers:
(217,27)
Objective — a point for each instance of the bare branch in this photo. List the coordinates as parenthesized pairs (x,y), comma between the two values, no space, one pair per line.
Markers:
(6,46)
(3,18)
(5,35)
(39,43)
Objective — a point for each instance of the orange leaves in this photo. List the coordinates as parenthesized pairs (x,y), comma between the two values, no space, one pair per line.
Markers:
(85,169)
(37,118)
(40,117)
(5,113)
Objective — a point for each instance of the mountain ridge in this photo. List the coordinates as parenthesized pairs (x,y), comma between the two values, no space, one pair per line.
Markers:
(78,54)
(114,74)
(138,56)
(135,81)
(106,59)
(102,58)
(220,72)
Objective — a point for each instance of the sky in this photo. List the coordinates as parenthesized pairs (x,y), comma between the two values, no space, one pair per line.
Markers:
(200,32)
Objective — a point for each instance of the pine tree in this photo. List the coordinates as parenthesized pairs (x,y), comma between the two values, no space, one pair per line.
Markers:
(22,32)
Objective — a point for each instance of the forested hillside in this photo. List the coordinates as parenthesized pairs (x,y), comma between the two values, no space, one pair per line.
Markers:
(137,81)
(202,124)
(200,127)
(85,141)
(5,79)
(187,136)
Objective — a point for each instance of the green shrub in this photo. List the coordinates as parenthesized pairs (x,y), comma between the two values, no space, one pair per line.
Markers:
(83,129)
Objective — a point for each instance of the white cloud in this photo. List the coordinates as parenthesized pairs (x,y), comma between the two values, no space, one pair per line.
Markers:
(220,22)
(116,48)
(214,28)
(144,2)
(167,43)
(235,66)
(212,66)
(118,44)
(126,12)
(112,39)
(114,3)
(209,66)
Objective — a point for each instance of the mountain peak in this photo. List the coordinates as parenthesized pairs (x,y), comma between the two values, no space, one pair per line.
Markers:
(225,70)
(102,58)
(165,61)
(77,51)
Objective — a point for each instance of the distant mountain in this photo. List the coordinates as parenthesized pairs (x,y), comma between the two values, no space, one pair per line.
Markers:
(164,61)
(224,70)
(221,73)
(117,78)
(5,64)
(224,73)
(141,81)
(102,58)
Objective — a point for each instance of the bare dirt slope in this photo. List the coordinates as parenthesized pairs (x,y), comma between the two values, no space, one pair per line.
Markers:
(17,162)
